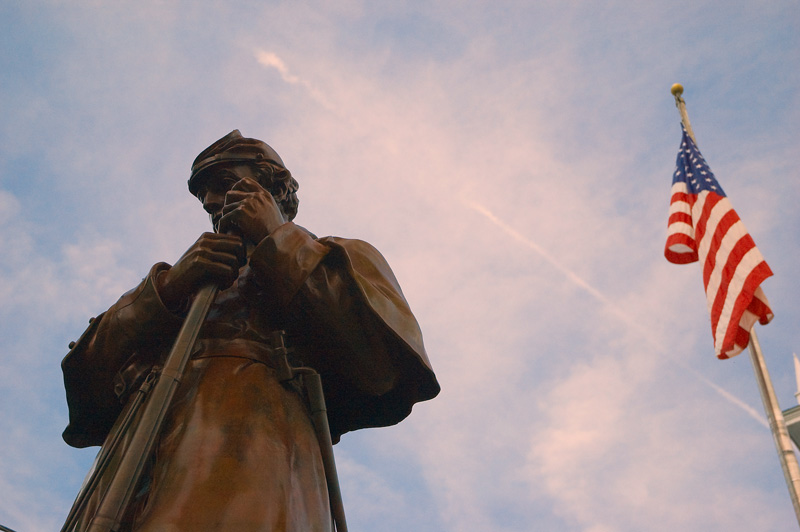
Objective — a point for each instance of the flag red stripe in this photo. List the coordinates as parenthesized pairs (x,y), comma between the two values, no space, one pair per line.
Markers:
(759,308)
(682,196)
(727,221)
(742,339)
(676,257)
(741,247)
(680,217)
(700,226)
(743,302)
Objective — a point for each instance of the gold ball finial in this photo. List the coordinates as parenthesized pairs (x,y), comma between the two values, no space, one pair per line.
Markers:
(676,89)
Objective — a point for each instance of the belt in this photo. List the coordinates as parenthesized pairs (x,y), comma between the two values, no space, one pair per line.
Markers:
(235,348)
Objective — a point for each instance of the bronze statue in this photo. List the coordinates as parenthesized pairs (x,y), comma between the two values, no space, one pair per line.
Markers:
(237,449)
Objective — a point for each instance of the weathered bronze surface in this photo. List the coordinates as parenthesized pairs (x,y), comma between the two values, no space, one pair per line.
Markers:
(237,450)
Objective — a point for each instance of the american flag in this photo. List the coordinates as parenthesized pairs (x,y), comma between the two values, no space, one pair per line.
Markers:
(704,226)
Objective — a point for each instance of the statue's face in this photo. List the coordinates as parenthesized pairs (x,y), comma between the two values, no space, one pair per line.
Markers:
(218,181)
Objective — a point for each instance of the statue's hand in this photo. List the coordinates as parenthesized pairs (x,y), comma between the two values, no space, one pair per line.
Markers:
(250,210)
(213,258)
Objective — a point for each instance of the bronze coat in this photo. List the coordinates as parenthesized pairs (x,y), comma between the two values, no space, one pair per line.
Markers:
(238,451)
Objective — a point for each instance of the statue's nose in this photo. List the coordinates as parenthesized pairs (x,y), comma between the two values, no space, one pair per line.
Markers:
(213,202)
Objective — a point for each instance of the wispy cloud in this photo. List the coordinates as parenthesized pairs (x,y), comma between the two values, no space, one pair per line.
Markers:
(272,61)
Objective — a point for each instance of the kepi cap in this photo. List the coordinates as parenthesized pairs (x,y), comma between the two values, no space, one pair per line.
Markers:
(232,148)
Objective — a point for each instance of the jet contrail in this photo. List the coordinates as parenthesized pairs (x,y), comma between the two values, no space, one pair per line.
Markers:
(572,276)
(538,249)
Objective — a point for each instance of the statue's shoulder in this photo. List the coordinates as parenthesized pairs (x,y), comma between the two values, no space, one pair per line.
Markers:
(306,231)
(352,246)
(359,251)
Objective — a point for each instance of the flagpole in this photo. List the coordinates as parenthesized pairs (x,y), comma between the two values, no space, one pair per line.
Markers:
(777,425)
(783,444)
(680,103)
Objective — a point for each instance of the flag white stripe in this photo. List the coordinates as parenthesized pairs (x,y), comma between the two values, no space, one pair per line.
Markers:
(680,206)
(719,210)
(746,322)
(761,296)
(743,269)
(683,228)
(721,257)
(723,254)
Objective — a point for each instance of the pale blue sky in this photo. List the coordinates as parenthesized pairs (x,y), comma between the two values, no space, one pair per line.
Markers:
(513,163)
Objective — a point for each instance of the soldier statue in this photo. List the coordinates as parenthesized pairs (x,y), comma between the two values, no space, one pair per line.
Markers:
(237,450)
